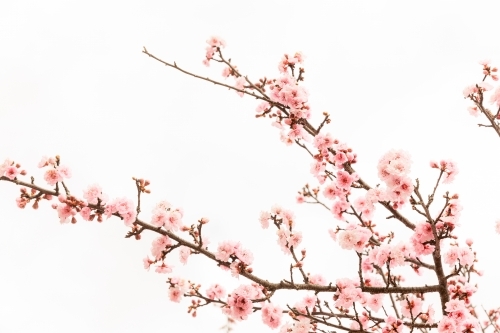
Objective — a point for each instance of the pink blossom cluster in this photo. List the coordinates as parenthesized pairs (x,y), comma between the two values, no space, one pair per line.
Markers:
(184,253)
(488,70)
(348,293)
(93,194)
(290,62)
(287,92)
(475,92)
(278,215)
(160,244)
(393,169)
(411,306)
(377,254)
(288,239)
(463,255)
(271,315)
(363,318)
(66,208)
(461,289)
(422,239)
(178,287)
(55,173)
(10,169)
(393,325)
(214,45)
(167,217)
(159,248)
(449,168)
(292,98)
(333,152)
(392,254)
(458,319)
(124,207)
(353,237)
(216,291)
(449,219)
(284,221)
(239,302)
(306,304)
(240,259)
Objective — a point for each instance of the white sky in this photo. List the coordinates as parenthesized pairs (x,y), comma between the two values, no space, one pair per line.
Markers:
(73,82)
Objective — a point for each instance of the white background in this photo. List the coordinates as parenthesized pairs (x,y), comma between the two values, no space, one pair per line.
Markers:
(73,82)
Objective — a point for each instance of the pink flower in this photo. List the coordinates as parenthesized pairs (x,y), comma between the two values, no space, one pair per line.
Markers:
(339,159)
(344,179)
(65,212)
(93,193)
(309,301)
(160,244)
(376,194)
(85,213)
(163,205)
(226,71)
(5,165)
(240,85)
(470,90)
(323,141)
(411,306)
(450,169)
(262,107)
(393,325)
(355,237)
(125,208)
(375,302)
(465,256)
(11,172)
(173,222)
(64,171)
(303,325)
(455,305)
(295,239)
(244,255)
(226,249)
(239,305)
(495,97)
(300,198)
(47,161)
(159,217)
(184,254)
(271,315)
(216,291)
(339,207)
(485,86)
(147,263)
(163,268)
(264,219)
(215,41)
(317,279)
(52,176)
(447,325)
(473,110)
(175,294)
